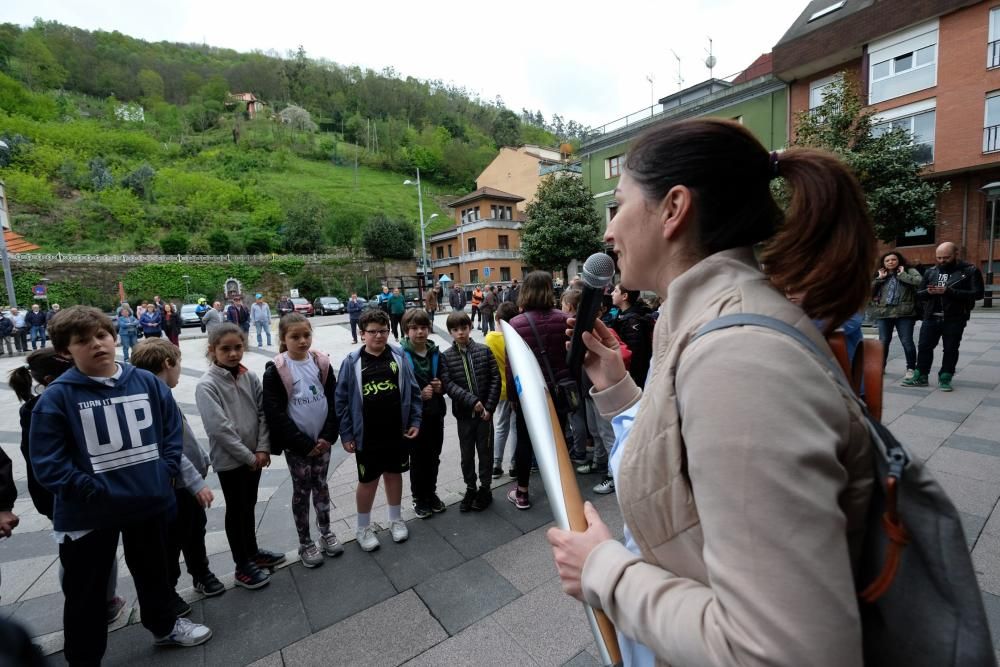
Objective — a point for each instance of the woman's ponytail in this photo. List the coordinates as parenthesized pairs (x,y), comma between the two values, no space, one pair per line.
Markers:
(825,248)
(20,381)
(42,366)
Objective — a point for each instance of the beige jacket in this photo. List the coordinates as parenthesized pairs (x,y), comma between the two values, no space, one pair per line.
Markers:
(744,481)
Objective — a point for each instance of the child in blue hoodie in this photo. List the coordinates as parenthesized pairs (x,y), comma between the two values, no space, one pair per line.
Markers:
(105,439)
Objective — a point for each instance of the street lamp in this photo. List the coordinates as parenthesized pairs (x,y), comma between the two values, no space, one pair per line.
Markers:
(420,205)
(284,281)
(367,290)
(187,286)
(992,192)
(4,258)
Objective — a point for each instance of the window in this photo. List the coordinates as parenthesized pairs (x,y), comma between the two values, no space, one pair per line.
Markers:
(473,275)
(449,251)
(510,213)
(993,47)
(613,166)
(903,63)
(440,252)
(505,274)
(991,123)
(472,245)
(819,89)
(919,125)
(470,214)
(827,11)
(495,212)
(918,236)
(503,241)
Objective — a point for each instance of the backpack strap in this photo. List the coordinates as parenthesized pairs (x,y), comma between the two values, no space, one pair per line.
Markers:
(541,348)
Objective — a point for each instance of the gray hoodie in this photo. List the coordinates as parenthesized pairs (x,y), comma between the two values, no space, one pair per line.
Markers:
(194,463)
(233,414)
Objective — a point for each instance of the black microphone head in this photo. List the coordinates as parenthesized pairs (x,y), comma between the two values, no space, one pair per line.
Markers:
(598,270)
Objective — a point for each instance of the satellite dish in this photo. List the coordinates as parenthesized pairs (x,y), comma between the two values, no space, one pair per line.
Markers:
(710,62)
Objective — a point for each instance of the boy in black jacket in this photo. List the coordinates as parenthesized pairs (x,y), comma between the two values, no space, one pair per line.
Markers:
(432,376)
(474,387)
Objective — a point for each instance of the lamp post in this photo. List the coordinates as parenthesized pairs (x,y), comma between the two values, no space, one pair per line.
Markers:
(4,258)
(367,289)
(992,192)
(187,286)
(284,282)
(423,242)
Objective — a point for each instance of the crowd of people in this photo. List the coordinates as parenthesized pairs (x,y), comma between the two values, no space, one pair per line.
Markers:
(681,426)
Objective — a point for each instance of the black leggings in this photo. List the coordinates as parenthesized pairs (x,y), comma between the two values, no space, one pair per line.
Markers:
(524,451)
(239,487)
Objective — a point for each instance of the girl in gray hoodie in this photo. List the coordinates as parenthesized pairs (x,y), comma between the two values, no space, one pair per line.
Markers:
(230,399)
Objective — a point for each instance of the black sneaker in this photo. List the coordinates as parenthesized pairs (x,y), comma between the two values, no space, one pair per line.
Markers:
(252,577)
(422,510)
(209,585)
(483,499)
(268,559)
(179,606)
(466,504)
(437,505)
(497,472)
(512,472)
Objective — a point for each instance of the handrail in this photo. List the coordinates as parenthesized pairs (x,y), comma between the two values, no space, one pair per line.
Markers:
(991,138)
(993,54)
(132,258)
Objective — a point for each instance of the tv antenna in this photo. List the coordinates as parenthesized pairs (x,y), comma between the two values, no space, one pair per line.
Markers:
(652,95)
(680,79)
(710,61)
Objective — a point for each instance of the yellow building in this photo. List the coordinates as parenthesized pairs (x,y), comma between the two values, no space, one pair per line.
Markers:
(520,170)
(484,246)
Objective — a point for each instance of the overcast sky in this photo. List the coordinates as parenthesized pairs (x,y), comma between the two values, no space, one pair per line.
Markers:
(587,61)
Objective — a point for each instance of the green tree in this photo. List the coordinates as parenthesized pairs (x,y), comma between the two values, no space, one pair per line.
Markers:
(151,84)
(38,68)
(303,230)
(385,238)
(886,162)
(218,242)
(562,225)
(506,129)
(175,243)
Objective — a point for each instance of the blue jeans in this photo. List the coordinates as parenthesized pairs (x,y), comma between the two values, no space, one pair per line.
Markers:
(265,326)
(903,325)
(128,342)
(37,333)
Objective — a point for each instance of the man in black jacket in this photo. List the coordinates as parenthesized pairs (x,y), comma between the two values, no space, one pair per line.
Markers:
(635,327)
(947,295)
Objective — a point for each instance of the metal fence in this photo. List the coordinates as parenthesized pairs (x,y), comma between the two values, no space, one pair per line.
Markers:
(991,138)
(73,258)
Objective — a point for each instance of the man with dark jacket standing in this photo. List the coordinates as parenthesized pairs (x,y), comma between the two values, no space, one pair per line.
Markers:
(457,298)
(354,309)
(947,295)
(635,328)
(36,319)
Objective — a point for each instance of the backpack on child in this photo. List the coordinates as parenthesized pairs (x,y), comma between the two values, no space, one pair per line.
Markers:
(919,598)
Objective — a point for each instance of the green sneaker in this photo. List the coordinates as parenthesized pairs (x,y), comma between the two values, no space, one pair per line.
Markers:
(944,382)
(917,380)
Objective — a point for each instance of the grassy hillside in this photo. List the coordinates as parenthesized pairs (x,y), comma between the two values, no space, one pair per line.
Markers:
(86,184)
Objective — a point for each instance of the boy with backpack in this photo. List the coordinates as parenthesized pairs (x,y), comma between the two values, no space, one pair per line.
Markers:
(432,377)
(474,387)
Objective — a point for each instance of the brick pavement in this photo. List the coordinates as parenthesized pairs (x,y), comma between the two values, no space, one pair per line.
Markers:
(466,588)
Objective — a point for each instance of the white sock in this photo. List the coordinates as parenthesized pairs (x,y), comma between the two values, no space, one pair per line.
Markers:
(394,513)
(364,519)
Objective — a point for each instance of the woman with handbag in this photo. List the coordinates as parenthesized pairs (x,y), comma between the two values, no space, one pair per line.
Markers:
(543,328)
(745,475)
(171,324)
(894,305)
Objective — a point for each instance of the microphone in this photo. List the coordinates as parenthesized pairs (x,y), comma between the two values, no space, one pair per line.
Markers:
(597,273)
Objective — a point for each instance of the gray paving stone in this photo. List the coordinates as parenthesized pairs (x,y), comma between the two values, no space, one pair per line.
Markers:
(344,585)
(908,424)
(894,388)
(547,623)
(465,594)
(960,384)
(992,402)
(8,609)
(972,526)
(992,604)
(251,624)
(974,465)
(969,495)
(943,415)
(27,545)
(986,560)
(984,362)
(525,520)
(423,555)
(389,633)
(133,645)
(982,423)
(582,659)
(921,446)
(17,576)
(970,444)
(483,643)
(474,533)
(273,660)
(525,562)
(41,615)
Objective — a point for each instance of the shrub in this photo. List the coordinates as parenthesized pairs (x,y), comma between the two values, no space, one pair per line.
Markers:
(175,243)
(100,176)
(383,237)
(28,190)
(218,242)
(140,182)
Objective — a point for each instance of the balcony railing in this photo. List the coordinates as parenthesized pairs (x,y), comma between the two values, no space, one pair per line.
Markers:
(476,256)
(993,54)
(991,139)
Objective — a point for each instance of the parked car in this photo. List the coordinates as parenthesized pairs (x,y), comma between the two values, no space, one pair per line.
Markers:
(329,305)
(303,306)
(189,315)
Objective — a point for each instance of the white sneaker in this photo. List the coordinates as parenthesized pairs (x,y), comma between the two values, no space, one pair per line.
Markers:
(399,530)
(909,374)
(310,555)
(366,538)
(606,486)
(185,633)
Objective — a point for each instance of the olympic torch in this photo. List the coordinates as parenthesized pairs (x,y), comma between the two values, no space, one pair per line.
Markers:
(558,476)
